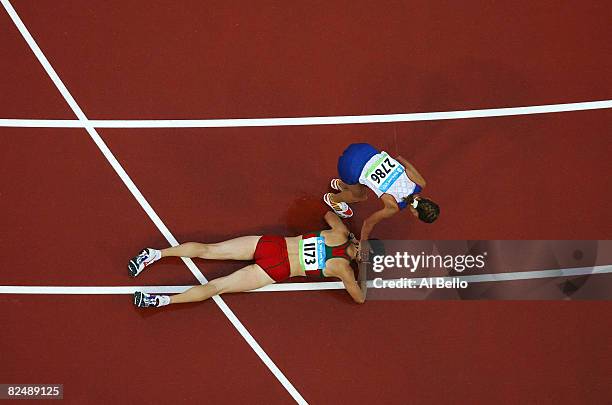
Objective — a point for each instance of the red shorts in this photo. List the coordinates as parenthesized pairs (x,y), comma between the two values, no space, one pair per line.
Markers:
(271,255)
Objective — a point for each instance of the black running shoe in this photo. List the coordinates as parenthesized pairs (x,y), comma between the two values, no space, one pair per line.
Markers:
(137,264)
(144,300)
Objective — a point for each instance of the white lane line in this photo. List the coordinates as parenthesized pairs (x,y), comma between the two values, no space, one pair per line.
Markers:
(144,204)
(91,290)
(318,286)
(154,289)
(330,120)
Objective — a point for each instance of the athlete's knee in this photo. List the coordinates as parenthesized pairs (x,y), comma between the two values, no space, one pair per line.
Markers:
(218,286)
(198,293)
(197,249)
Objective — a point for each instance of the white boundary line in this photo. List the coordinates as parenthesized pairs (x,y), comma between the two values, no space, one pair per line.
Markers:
(144,204)
(473,278)
(83,122)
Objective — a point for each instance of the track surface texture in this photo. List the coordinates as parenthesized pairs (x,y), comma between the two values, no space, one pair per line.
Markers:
(68,220)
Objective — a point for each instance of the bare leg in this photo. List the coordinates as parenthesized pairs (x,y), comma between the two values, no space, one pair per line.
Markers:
(245,279)
(350,193)
(241,248)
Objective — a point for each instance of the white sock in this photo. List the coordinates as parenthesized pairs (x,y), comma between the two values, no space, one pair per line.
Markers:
(162,300)
(156,255)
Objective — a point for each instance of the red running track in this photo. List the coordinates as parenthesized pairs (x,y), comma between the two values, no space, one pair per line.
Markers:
(72,222)
(239,59)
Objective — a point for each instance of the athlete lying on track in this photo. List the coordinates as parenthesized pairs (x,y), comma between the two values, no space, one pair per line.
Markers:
(396,182)
(326,253)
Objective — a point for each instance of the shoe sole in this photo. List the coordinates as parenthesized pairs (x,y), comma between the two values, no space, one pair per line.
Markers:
(137,298)
(341,215)
(132,268)
(335,181)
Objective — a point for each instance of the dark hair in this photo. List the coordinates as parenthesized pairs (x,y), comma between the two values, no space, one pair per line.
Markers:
(428,210)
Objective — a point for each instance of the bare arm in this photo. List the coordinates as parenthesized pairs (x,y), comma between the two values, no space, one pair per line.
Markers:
(335,223)
(388,211)
(351,285)
(412,172)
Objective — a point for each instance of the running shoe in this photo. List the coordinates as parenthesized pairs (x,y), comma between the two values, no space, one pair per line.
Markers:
(137,264)
(144,300)
(341,209)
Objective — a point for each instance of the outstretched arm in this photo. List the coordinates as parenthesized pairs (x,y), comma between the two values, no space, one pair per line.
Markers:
(388,211)
(412,172)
